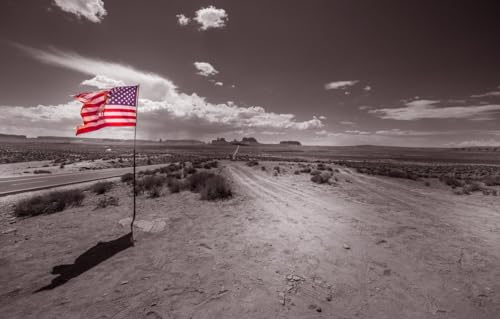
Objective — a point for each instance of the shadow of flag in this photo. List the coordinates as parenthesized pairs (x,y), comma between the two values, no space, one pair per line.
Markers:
(88,260)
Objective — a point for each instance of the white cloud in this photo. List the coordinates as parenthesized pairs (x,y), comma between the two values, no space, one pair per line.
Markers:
(322,117)
(427,109)
(153,85)
(93,10)
(166,111)
(211,17)
(347,123)
(182,19)
(487,94)
(102,82)
(219,83)
(339,85)
(364,107)
(205,68)
(474,143)
(367,88)
(358,132)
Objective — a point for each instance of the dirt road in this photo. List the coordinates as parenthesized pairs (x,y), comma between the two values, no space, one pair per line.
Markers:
(283,247)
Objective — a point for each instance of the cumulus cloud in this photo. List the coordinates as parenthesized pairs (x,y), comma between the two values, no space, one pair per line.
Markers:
(219,83)
(171,111)
(205,68)
(102,82)
(93,10)
(339,85)
(427,109)
(211,17)
(182,19)
(367,88)
(474,143)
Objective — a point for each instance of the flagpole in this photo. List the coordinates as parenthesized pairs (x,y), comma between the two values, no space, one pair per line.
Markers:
(135,136)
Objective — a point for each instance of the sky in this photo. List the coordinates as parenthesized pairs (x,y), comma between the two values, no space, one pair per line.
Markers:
(323,72)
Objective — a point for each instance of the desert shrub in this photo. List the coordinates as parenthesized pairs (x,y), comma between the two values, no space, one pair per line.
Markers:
(315,172)
(197,181)
(154,192)
(321,178)
(175,185)
(177,175)
(215,187)
(252,163)
(492,180)
(451,181)
(105,201)
(170,168)
(321,167)
(277,169)
(211,164)
(306,170)
(148,172)
(262,168)
(427,184)
(151,182)
(398,173)
(41,171)
(101,187)
(190,170)
(127,178)
(49,203)
(337,170)
(328,168)
(297,172)
(61,166)
(473,187)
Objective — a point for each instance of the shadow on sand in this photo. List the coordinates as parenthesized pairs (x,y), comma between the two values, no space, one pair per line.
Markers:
(89,259)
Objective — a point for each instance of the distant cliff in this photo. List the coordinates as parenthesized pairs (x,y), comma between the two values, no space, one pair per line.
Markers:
(290,143)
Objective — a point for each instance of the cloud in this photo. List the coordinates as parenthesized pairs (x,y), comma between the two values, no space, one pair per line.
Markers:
(182,19)
(367,88)
(339,84)
(102,82)
(211,17)
(364,107)
(358,132)
(168,111)
(474,143)
(93,10)
(427,109)
(322,117)
(487,94)
(219,83)
(153,85)
(347,123)
(205,68)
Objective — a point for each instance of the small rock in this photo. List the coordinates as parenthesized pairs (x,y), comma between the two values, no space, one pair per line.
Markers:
(289,277)
(296,278)
(319,309)
(124,282)
(282,298)
(345,246)
(382,241)
(387,272)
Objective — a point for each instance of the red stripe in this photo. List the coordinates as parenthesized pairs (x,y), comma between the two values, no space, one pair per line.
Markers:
(82,130)
(89,97)
(112,110)
(110,117)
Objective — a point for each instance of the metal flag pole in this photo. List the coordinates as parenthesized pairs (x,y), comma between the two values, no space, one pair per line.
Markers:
(135,136)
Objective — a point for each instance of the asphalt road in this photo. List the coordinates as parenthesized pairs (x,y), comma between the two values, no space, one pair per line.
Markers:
(21,184)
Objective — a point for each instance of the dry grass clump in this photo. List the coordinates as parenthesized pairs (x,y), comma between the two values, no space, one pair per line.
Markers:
(210,186)
(49,203)
(41,171)
(105,201)
(127,178)
(101,187)
(322,178)
(211,164)
(252,163)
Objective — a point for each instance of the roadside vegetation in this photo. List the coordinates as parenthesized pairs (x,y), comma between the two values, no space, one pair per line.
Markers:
(49,203)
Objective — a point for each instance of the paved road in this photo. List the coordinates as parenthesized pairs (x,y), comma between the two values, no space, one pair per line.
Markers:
(20,184)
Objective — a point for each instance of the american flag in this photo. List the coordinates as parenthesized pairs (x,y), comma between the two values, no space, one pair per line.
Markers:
(114,107)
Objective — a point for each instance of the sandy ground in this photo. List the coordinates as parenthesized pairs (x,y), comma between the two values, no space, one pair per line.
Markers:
(283,247)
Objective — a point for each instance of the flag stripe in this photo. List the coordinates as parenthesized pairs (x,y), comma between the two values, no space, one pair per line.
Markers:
(87,129)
